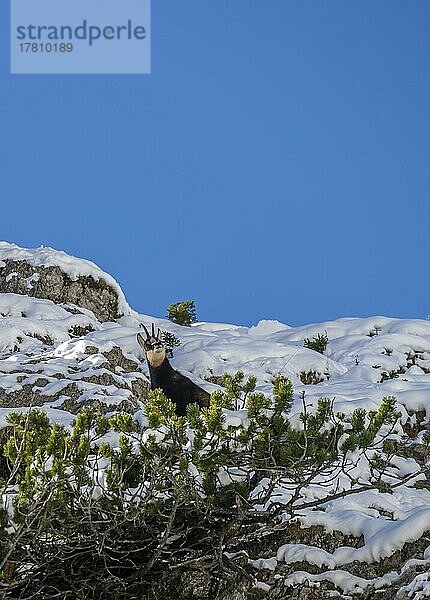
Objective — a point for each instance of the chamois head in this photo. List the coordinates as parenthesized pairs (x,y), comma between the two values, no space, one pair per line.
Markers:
(153,346)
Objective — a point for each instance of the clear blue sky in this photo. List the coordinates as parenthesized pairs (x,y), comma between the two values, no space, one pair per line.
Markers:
(275,164)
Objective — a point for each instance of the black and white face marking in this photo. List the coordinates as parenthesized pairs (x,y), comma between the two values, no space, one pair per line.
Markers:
(153,346)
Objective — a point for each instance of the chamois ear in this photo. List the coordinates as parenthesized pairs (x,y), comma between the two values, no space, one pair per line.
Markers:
(159,335)
(141,341)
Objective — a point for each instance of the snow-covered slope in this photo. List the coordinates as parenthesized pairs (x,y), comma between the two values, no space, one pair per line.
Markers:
(59,356)
(359,368)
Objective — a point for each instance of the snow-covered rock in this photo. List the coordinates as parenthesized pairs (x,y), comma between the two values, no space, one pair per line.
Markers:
(47,273)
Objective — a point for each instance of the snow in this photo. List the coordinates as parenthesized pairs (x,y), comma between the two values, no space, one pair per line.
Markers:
(419,587)
(260,585)
(265,563)
(382,539)
(366,359)
(56,416)
(32,279)
(342,579)
(74,267)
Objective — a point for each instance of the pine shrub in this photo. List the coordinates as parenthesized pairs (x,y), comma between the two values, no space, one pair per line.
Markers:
(182,313)
(102,509)
(317,342)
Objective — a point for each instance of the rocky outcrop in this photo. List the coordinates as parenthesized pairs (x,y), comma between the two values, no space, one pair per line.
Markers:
(107,387)
(53,275)
(52,283)
(61,357)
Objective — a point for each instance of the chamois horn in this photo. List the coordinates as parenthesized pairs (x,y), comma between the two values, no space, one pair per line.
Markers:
(152,335)
(146,331)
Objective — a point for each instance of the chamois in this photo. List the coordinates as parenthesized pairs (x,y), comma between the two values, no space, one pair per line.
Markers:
(181,390)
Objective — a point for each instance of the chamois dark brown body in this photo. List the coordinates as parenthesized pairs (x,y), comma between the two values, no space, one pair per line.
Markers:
(179,388)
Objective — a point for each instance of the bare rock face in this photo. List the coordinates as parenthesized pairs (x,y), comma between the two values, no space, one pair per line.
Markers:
(51,283)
